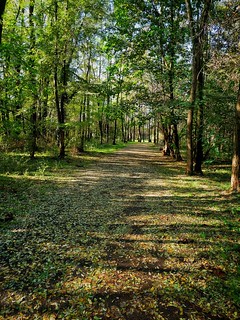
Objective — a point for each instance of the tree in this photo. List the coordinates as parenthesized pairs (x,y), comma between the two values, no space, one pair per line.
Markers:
(236,147)
(33,109)
(72,73)
(153,36)
(197,29)
(224,66)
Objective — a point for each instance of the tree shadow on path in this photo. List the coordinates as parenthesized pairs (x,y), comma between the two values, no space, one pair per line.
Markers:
(130,237)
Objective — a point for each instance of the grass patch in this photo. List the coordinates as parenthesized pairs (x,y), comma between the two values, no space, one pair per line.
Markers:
(105,148)
(21,164)
(44,164)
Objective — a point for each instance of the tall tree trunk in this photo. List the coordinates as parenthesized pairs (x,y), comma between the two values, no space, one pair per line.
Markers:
(57,102)
(193,91)
(199,145)
(171,75)
(134,130)
(100,124)
(149,131)
(33,117)
(108,119)
(60,84)
(155,130)
(197,31)
(143,132)
(189,169)
(115,132)
(61,117)
(107,130)
(166,148)
(85,112)
(176,142)
(200,89)
(235,186)
(139,133)
(2,8)
(82,120)
(56,86)
(167,137)
(123,129)
(44,105)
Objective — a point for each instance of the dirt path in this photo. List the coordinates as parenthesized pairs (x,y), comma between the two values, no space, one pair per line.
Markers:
(128,238)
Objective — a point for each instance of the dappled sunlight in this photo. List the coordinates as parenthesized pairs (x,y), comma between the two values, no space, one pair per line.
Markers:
(120,241)
(172,219)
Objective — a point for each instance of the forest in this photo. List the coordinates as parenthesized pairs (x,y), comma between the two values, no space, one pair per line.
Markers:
(77,73)
(119,159)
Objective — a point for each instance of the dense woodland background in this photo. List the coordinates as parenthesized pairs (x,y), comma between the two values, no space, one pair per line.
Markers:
(76,73)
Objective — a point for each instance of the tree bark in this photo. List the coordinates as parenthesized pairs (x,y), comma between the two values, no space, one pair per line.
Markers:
(60,83)
(44,106)
(197,31)
(167,149)
(171,75)
(200,116)
(100,124)
(176,142)
(193,91)
(61,116)
(82,120)
(33,117)
(115,132)
(236,148)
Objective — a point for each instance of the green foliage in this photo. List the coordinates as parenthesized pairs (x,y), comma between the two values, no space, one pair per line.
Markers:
(21,164)
(77,72)
(104,148)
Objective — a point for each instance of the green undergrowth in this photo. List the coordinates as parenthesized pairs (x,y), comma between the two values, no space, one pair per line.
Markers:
(46,164)
(105,148)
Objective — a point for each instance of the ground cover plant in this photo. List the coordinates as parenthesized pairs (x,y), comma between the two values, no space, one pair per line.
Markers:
(125,235)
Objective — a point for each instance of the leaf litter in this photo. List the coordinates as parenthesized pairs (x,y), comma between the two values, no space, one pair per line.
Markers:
(129,237)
